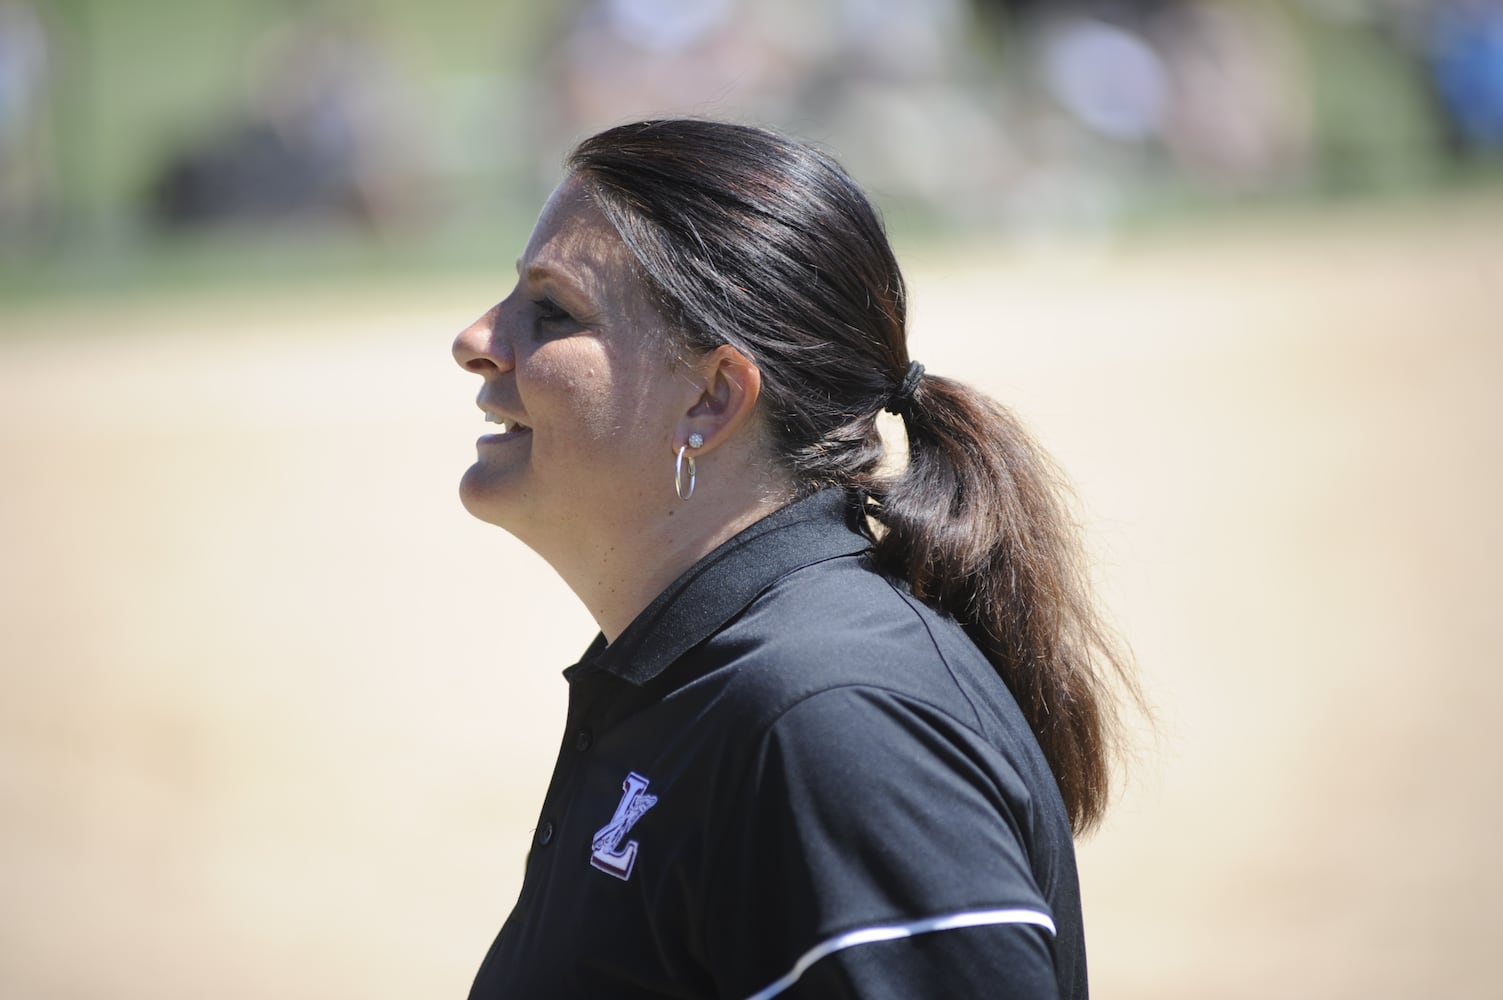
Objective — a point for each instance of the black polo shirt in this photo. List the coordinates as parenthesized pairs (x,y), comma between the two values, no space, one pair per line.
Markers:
(789,778)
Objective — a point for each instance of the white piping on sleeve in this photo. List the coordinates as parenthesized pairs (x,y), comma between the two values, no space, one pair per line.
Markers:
(893,932)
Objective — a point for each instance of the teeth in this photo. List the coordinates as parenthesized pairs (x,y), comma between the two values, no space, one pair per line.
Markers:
(507,426)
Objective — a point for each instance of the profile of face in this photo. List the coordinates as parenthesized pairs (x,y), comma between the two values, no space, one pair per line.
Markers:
(578,373)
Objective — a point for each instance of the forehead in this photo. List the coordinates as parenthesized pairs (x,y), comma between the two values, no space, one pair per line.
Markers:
(573,235)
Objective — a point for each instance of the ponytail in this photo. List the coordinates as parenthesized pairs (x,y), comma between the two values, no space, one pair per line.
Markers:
(977,524)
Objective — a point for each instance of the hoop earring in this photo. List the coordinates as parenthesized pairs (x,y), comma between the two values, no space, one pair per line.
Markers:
(695,441)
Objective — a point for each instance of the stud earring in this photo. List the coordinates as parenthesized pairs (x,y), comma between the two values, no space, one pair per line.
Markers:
(696,440)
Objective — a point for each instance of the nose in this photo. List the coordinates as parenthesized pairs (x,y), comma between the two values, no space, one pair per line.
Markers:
(481,349)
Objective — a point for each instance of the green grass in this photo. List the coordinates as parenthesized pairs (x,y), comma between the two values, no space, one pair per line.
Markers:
(136,79)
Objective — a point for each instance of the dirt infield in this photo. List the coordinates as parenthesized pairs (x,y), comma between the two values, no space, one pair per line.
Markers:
(276,714)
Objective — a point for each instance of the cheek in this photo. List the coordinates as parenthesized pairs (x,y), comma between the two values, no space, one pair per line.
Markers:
(574,409)
(579,411)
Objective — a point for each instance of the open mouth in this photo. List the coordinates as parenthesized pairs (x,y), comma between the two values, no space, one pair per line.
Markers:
(507,426)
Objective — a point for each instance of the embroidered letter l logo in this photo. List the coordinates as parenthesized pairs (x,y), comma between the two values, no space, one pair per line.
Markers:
(609,854)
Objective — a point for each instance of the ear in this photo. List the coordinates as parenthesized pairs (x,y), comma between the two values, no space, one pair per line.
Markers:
(732,384)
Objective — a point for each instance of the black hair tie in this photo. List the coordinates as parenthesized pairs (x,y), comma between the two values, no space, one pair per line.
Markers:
(901,400)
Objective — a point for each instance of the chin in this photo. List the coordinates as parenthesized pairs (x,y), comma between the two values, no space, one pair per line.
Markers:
(486,499)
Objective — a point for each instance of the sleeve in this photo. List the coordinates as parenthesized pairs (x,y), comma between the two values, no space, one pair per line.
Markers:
(874,848)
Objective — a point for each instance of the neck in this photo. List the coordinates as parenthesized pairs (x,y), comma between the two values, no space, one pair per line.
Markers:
(620,564)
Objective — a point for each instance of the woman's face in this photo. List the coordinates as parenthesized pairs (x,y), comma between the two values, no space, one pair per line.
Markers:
(576,366)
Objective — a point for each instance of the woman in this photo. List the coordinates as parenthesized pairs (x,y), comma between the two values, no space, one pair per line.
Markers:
(840,722)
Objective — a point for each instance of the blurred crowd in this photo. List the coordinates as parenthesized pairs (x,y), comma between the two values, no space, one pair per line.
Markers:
(1012,110)
(969,111)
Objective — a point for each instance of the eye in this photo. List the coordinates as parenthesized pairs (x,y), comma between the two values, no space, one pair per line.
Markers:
(549,313)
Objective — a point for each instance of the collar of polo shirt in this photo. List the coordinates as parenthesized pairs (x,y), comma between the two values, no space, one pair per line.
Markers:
(698,603)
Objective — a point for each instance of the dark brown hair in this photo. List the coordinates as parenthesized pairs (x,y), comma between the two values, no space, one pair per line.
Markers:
(753,239)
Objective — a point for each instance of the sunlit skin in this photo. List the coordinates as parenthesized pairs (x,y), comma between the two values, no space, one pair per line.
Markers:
(576,362)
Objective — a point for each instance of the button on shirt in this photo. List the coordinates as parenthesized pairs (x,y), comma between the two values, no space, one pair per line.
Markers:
(790,778)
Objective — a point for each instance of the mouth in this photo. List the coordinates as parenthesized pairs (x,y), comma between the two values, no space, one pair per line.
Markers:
(510,430)
(507,426)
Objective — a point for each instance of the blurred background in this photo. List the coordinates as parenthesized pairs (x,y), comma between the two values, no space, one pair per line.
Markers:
(276,715)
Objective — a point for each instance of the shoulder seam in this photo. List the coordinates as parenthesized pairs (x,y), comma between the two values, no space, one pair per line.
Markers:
(909,601)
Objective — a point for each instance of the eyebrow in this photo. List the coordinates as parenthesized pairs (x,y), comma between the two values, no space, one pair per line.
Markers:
(566,278)
(537,271)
